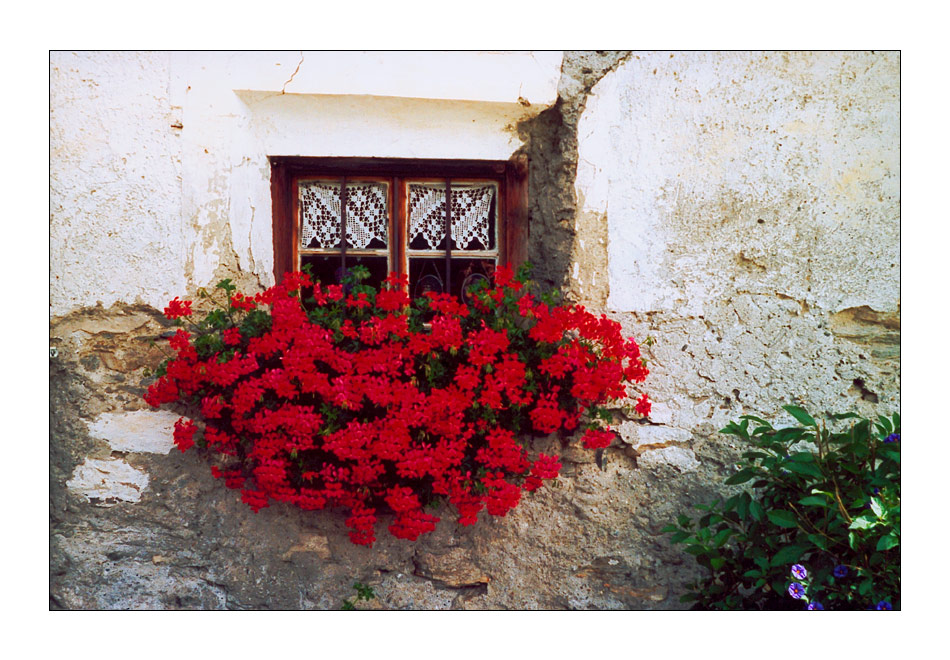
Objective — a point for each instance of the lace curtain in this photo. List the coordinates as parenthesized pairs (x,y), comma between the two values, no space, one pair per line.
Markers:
(367,215)
(471,207)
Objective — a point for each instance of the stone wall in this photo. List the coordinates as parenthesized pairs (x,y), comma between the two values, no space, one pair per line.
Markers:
(741,209)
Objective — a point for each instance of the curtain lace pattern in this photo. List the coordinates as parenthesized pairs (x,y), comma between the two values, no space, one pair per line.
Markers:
(367,216)
(471,209)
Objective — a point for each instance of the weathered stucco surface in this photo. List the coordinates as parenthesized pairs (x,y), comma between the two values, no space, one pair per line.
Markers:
(742,209)
(159,178)
(786,165)
(115,182)
(752,207)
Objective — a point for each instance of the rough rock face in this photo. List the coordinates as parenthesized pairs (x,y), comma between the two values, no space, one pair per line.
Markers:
(135,524)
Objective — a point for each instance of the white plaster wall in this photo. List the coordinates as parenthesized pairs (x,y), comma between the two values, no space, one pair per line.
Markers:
(786,164)
(116,230)
(159,179)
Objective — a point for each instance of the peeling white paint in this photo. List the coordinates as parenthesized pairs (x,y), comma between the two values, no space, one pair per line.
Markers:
(108,482)
(638,435)
(143,431)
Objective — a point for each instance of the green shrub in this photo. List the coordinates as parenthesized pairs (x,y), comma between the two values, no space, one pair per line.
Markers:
(820,527)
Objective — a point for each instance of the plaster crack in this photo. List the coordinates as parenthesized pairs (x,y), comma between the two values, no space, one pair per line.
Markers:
(283,90)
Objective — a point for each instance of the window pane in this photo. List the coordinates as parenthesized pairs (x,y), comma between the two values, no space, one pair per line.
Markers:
(328,269)
(473,216)
(428,274)
(367,214)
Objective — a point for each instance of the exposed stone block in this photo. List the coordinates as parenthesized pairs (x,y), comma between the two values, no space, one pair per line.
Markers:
(455,568)
(683,460)
(310,543)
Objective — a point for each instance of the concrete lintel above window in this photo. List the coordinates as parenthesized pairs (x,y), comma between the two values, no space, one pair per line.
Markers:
(526,78)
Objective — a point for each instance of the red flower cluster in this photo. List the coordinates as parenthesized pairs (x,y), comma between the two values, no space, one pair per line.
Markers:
(176,309)
(332,396)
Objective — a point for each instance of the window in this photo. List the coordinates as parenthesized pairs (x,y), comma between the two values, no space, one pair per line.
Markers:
(390,215)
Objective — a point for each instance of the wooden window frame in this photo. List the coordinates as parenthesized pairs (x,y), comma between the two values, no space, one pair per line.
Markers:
(510,176)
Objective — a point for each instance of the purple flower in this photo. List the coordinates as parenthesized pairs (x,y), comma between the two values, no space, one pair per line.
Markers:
(883,605)
(796,590)
(840,571)
(798,571)
(893,437)
(815,605)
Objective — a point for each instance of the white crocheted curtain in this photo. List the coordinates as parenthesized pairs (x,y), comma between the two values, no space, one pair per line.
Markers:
(471,208)
(367,214)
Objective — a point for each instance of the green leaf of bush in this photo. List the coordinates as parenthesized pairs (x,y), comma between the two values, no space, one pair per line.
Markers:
(876,507)
(790,554)
(756,510)
(741,476)
(849,415)
(787,435)
(800,415)
(722,537)
(783,518)
(802,457)
(679,537)
(788,512)
(861,523)
(819,541)
(808,469)
(885,424)
(887,542)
